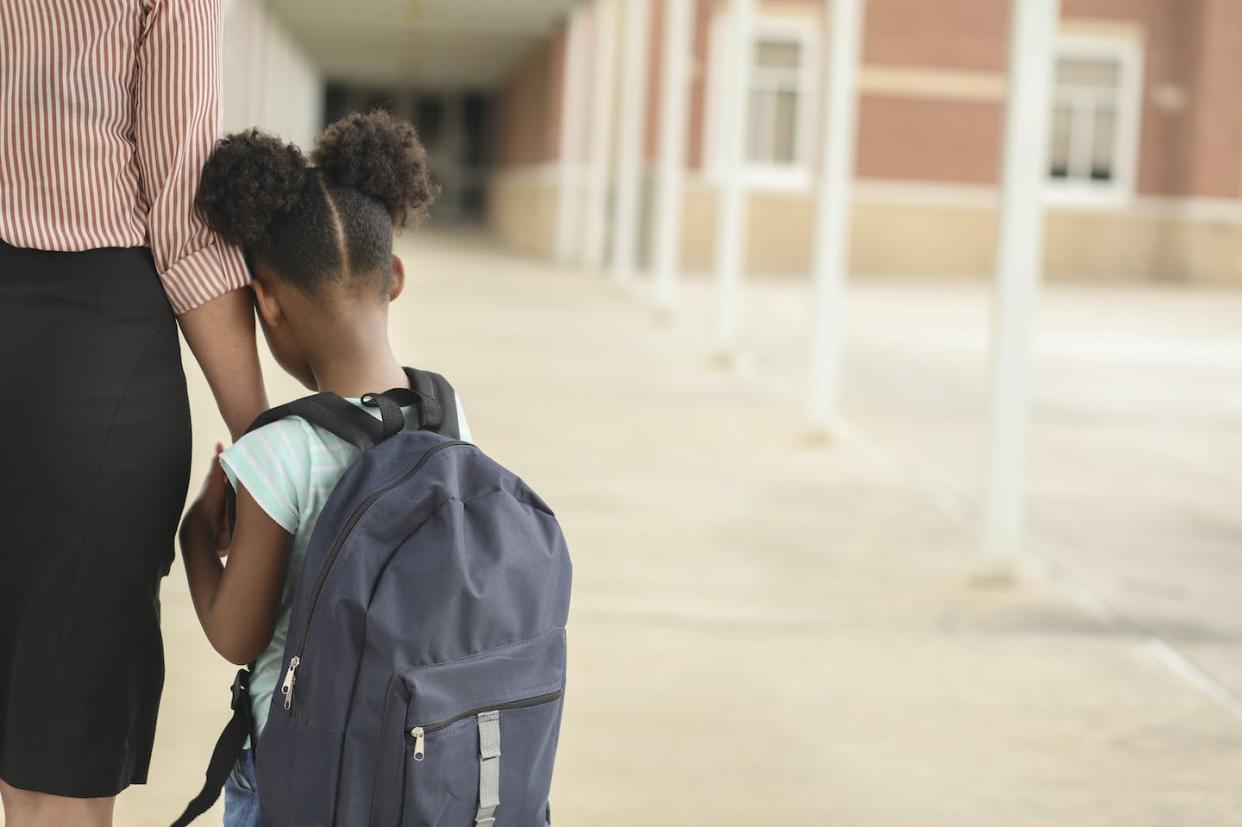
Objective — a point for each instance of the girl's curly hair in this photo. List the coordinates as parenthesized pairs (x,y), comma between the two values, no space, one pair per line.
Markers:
(380,156)
(329,218)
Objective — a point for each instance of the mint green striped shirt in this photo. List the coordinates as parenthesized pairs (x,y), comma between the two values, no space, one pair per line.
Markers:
(290,468)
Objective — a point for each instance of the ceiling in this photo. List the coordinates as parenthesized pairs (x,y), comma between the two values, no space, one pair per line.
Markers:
(445,44)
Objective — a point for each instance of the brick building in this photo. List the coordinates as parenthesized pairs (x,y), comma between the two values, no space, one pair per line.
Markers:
(1144,178)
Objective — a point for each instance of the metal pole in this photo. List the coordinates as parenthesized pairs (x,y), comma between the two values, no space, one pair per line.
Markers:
(595,237)
(569,172)
(1019,263)
(731,212)
(674,99)
(838,137)
(630,140)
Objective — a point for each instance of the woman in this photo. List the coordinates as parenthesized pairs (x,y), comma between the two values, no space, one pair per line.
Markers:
(108,109)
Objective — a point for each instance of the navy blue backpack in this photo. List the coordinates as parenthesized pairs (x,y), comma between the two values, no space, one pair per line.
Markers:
(425,667)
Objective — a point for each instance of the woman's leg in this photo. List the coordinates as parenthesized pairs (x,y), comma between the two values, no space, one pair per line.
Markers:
(96,465)
(27,809)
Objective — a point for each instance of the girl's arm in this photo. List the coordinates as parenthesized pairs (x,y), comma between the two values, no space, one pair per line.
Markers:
(237,604)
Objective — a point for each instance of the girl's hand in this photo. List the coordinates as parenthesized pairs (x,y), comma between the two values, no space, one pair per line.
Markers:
(209,512)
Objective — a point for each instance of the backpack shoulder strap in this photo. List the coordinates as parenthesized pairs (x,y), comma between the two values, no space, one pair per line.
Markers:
(333,414)
(433,385)
(355,426)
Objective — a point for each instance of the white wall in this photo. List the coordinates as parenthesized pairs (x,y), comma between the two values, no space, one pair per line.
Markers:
(268,81)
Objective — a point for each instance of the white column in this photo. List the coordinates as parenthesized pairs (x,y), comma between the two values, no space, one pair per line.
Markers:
(595,234)
(234,30)
(674,100)
(838,138)
(573,133)
(634,58)
(731,203)
(1019,263)
(270,72)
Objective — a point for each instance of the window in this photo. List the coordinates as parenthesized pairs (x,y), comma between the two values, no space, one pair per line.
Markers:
(1095,117)
(779,110)
(772,122)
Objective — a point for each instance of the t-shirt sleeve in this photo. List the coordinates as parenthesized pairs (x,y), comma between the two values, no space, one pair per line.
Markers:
(463,427)
(272,464)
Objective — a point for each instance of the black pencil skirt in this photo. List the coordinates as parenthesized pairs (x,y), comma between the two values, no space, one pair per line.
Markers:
(94,465)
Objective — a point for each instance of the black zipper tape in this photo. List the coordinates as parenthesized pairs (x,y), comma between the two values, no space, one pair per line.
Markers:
(524,703)
(361,510)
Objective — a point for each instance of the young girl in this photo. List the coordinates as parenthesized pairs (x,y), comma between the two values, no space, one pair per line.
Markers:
(319,238)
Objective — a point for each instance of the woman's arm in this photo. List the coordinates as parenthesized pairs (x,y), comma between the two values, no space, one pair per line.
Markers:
(175,126)
(221,336)
(237,604)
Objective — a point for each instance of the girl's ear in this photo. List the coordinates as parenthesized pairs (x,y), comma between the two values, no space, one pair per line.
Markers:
(398,278)
(267,303)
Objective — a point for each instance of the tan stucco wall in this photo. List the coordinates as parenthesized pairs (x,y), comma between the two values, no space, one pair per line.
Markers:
(891,238)
(886,239)
(1211,251)
(929,239)
(522,212)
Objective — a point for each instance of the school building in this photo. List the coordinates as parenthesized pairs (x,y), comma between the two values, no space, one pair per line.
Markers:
(527,111)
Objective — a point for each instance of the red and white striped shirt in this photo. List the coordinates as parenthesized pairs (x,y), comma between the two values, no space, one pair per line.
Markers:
(108,109)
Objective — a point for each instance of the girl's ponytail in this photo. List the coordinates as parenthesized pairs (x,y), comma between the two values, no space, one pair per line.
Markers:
(249,181)
(381,157)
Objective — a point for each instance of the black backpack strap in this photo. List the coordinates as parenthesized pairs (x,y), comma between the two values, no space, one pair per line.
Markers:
(432,395)
(335,415)
(228,749)
(430,399)
(435,386)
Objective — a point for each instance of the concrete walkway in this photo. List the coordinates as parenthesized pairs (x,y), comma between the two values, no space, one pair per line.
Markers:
(764,631)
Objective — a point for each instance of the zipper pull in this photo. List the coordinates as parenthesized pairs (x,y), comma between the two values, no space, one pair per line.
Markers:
(417,734)
(291,676)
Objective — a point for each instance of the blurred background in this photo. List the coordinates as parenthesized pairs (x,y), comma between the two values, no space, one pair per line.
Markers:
(881,360)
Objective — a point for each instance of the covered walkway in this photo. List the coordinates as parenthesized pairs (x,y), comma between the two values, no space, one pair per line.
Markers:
(767,631)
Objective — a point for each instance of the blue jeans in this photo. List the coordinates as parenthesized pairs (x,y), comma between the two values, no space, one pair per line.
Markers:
(241,796)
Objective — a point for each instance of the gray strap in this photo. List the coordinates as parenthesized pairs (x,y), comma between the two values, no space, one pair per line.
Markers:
(489,768)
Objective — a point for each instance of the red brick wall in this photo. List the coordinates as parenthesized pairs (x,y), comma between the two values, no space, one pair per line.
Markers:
(929,140)
(1215,145)
(1170,27)
(528,108)
(958,140)
(1190,45)
(699,80)
(947,34)
(655,77)
(1194,46)
(922,139)
(554,89)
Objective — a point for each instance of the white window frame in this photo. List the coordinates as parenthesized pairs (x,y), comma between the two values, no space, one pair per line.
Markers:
(1128,52)
(806,32)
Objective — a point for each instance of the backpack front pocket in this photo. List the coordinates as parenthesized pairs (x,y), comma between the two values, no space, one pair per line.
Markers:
(492,764)
(477,739)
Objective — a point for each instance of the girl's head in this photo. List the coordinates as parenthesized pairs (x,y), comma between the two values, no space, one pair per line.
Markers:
(318,231)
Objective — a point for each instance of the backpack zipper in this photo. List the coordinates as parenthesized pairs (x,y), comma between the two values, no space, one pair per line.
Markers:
(419,733)
(286,687)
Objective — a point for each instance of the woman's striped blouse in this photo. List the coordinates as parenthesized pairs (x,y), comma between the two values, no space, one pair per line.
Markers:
(108,109)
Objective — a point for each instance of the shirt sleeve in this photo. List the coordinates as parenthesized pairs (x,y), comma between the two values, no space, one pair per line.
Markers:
(176,113)
(272,464)
(463,427)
